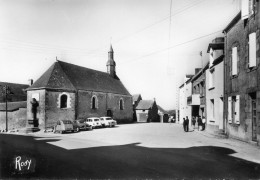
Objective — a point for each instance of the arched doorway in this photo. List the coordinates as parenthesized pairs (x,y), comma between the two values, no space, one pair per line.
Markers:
(109,113)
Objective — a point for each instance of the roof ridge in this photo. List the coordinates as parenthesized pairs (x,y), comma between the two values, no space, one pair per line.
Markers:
(82,67)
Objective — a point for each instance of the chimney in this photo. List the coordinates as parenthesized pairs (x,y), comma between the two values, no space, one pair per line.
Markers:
(30,82)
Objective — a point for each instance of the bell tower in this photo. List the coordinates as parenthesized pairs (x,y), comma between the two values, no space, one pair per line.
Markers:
(111,64)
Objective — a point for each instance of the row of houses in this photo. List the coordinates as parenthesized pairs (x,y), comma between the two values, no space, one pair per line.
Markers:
(227,89)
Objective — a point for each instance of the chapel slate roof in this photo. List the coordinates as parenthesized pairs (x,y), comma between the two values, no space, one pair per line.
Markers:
(13,106)
(62,75)
(145,104)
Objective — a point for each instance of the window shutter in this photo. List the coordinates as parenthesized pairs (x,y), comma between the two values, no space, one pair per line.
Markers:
(234,61)
(237,110)
(229,109)
(252,50)
(211,59)
(230,65)
(237,64)
(210,79)
(244,9)
(251,7)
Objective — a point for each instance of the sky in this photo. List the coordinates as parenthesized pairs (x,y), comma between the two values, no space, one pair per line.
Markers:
(155,42)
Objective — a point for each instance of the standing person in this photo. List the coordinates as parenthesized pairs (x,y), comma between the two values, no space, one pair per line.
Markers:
(203,123)
(184,122)
(193,122)
(199,123)
(187,124)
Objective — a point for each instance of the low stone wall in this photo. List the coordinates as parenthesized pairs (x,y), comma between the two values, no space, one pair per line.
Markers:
(16,119)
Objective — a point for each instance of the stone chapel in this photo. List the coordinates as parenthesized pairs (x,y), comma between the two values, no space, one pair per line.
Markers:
(68,92)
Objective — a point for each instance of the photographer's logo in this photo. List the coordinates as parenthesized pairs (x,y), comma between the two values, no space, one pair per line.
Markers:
(23,165)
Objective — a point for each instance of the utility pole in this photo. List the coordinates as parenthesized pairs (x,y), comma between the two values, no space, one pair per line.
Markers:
(6,91)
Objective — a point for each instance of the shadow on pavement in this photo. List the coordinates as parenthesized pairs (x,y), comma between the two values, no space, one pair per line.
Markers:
(125,161)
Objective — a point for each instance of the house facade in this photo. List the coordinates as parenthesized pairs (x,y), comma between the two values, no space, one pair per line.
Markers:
(68,92)
(136,99)
(185,91)
(147,111)
(242,74)
(215,86)
(197,100)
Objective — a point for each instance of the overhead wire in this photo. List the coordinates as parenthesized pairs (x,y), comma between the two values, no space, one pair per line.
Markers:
(165,49)
(71,50)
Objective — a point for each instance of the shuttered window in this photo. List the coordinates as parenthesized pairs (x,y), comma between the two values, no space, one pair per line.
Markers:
(230,109)
(247,8)
(234,61)
(211,59)
(244,9)
(237,110)
(252,50)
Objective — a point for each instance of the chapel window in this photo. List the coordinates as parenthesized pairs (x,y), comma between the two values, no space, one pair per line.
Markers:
(94,102)
(63,101)
(121,104)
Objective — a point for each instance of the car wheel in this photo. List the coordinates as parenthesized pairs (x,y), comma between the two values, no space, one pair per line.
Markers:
(77,129)
(90,128)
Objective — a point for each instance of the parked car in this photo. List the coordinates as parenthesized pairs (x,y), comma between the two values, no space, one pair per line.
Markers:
(94,121)
(80,124)
(108,122)
(63,126)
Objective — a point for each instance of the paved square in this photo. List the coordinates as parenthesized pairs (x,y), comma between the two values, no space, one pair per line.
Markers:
(148,150)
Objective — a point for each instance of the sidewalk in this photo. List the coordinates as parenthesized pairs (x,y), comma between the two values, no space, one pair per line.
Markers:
(244,150)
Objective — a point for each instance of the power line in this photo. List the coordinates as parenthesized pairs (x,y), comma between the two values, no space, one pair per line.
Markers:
(159,21)
(180,44)
(71,50)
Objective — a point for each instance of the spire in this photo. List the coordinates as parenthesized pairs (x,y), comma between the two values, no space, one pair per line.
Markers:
(111,49)
(111,64)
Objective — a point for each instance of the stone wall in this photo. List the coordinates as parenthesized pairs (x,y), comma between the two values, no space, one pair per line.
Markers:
(247,81)
(16,119)
(53,110)
(105,102)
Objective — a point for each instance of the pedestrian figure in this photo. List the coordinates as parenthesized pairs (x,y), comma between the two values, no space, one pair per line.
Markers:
(184,121)
(199,123)
(186,124)
(193,122)
(203,123)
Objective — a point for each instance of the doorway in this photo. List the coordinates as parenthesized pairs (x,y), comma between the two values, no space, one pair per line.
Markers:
(109,113)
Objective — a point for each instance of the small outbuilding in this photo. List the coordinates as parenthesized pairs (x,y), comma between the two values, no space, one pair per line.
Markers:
(147,111)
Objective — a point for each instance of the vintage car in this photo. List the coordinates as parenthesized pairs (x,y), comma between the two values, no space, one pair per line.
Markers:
(94,121)
(80,124)
(108,122)
(63,126)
